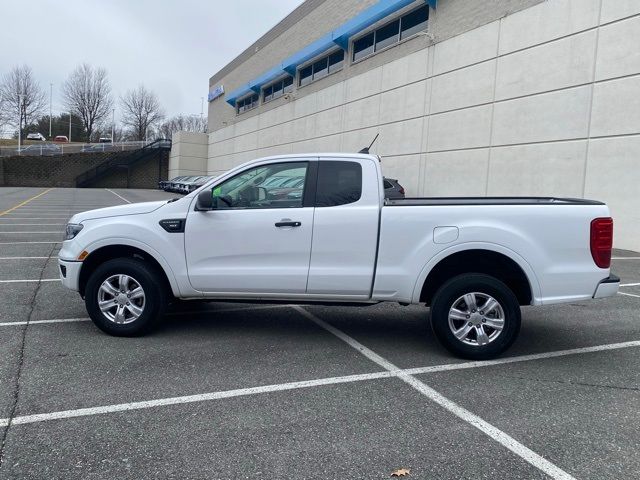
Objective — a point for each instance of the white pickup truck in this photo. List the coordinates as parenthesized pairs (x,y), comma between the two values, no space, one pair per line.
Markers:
(317,228)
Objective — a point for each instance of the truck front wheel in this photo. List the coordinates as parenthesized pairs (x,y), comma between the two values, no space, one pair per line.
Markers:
(124,297)
(475,316)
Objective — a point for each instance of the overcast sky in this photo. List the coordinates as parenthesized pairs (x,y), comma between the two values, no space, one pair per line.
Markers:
(171,46)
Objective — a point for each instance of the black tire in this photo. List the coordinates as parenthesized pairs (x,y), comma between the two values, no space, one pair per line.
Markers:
(155,296)
(446,298)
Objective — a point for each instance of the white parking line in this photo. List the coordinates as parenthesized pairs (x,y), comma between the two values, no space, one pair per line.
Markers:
(472,419)
(36,206)
(44,322)
(32,215)
(171,314)
(42,232)
(30,224)
(20,243)
(5,218)
(23,258)
(119,196)
(57,206)
(628,294)
(31,281)
(625,258)
(522,358)
(629,284)
(83,412)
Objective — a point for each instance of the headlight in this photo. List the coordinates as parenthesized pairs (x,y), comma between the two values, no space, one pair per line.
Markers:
(72,230)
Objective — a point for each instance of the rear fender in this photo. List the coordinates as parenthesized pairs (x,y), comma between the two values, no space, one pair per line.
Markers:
(536,292)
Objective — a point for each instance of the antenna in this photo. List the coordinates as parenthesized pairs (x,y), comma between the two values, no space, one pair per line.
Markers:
(365,150)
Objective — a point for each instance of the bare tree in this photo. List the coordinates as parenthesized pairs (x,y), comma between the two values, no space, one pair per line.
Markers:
(23,100)
(3,117)
(141,111)
(87,93)
(182,123)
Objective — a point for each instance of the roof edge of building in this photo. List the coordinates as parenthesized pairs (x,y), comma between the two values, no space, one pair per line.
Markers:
(300,11)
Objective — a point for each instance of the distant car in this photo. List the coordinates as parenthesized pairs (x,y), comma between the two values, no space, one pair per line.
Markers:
(195,183)
(36,136)
(172,185)
(160,143)
(104,140)
(392,189)
(290,188)
(46,149)
(183,185)
(61,139)
(101,147)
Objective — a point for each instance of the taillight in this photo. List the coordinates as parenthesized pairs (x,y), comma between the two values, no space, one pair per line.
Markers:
(602,241)
(402,190)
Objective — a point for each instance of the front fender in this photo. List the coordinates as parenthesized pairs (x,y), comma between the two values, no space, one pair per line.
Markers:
(110,241)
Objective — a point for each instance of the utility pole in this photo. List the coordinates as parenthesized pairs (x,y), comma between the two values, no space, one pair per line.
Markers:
(201,110)
(20,97)
(69,127)
(50,107)
(113,123)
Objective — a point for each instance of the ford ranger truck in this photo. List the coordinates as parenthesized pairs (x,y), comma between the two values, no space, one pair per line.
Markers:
(332,237)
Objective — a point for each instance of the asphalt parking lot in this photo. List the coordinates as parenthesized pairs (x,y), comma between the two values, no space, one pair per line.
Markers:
(226,391)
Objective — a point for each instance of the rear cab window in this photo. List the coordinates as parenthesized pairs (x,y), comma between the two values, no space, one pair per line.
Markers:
(339,183)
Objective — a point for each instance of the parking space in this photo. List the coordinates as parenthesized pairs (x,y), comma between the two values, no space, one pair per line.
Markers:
(226,390)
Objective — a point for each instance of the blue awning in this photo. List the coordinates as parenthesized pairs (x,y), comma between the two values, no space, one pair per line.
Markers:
(340,36)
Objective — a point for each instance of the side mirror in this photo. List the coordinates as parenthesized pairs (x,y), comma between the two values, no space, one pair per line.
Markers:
(204,201)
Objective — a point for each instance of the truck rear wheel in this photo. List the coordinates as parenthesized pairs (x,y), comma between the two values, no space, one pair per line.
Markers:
(124,297)
(475,316)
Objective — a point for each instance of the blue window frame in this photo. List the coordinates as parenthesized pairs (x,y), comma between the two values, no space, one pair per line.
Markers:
(277,89)
(321,68)
(247,103)
(391,33)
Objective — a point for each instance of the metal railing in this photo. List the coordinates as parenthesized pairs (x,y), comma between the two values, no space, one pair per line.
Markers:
(121,161)
(49,149)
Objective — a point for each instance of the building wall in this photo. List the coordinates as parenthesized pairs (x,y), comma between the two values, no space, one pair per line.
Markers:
(544,101)
(189,153)
(314,18)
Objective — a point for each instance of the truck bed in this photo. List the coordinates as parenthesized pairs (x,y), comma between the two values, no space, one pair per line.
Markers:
(439,201)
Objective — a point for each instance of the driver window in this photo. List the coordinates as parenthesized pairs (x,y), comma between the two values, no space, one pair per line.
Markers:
(278,185)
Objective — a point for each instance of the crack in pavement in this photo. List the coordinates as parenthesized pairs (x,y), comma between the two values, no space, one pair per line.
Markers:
(16,388)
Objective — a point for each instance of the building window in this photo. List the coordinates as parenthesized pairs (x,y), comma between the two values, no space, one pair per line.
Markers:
(321,68)
(277,89)
(336,60)
(306,75)
(388,35)
(391,33)
(247,103)
(414,22)
(363,46)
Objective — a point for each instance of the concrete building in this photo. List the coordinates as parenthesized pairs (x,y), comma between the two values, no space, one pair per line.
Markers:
(470,97)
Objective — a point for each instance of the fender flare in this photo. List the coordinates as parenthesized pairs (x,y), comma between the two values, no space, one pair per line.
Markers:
(532,278)
(111,241)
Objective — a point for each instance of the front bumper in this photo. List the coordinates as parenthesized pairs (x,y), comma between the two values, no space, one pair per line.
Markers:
(69,273)
(607,287)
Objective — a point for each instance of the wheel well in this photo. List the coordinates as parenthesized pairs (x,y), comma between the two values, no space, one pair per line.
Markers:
(478,261)
(98,257)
